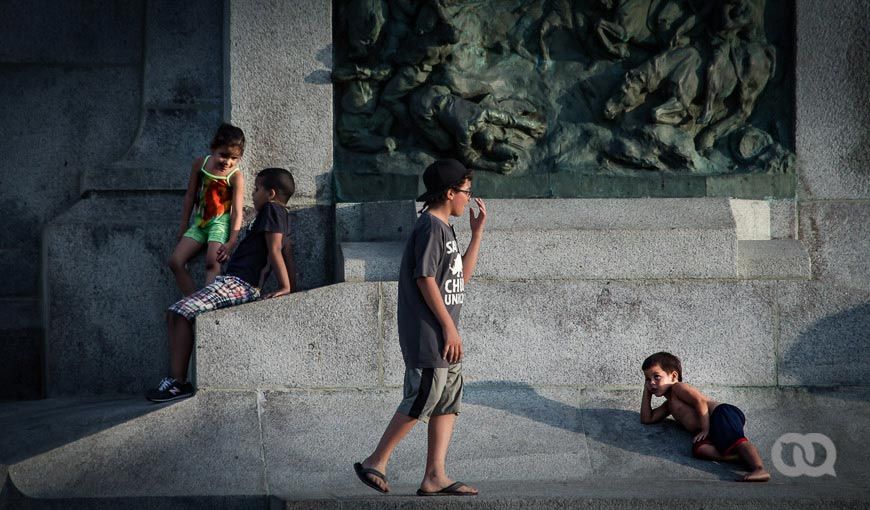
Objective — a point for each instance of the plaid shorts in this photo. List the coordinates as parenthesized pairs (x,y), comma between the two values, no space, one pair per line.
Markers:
(225,291)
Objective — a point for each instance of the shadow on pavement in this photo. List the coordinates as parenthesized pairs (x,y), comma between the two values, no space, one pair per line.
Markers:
(626,441)
(834,350)
(34,427)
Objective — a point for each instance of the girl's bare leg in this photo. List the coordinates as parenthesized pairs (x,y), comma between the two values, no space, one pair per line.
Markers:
(212,266)
(184,251)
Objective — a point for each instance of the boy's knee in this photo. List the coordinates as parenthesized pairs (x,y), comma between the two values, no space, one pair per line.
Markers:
(173,317)
(704,450)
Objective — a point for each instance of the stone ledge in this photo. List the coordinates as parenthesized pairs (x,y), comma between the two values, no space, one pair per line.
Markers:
(375,221)
(135,177)
(545,333)
(773,259)
(326,337)
(606,214)
(588,239)
(607,254)
(369,262)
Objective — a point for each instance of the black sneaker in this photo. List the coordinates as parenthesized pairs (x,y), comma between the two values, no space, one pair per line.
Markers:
(170,389)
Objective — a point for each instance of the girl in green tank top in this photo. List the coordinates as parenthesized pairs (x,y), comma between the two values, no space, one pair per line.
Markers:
(215,195)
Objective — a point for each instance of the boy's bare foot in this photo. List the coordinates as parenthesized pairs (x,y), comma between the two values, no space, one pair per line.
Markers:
(372,475)
(759,475)
(445,486)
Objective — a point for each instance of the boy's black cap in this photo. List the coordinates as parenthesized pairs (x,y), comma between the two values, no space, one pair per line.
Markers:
(440,175)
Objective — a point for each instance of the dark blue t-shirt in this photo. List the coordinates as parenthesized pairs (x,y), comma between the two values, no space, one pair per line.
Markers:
(252,255)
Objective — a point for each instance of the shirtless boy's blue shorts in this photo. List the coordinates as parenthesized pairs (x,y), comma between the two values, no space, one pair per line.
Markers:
(726,429)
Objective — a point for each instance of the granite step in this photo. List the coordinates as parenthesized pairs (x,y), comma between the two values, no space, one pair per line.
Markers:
(751,333)
(773,259)
(770,259)
(524,446)
(369,262)
(587,239)
(590,239)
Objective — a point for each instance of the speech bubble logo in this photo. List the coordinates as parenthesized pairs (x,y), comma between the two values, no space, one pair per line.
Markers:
(803,463)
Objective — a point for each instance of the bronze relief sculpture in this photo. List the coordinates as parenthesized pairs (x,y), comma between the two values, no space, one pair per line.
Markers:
(580,88)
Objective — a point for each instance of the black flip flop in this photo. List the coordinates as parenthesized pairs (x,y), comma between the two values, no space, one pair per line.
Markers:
(361,473)
(450,490)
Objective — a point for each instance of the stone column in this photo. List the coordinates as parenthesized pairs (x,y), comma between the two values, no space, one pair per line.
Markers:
(823,336)
(279,91)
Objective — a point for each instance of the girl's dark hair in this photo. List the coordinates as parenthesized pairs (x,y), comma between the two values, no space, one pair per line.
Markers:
(667,361)
(440,199)
(228,135)
(280,180)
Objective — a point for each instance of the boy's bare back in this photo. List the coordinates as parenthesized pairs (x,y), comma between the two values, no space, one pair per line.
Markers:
(683,401)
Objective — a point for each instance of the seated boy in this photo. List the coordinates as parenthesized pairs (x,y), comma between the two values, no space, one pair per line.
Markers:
(718,428)
(265,247)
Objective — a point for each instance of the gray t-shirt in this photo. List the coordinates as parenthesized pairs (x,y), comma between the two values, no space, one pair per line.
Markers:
(433,251)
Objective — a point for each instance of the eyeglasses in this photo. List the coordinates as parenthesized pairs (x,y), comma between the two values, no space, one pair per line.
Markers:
(466,191)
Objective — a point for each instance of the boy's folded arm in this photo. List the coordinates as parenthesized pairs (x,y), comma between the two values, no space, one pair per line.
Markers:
(648,415)
(276,259)
(289,261)
(236,210)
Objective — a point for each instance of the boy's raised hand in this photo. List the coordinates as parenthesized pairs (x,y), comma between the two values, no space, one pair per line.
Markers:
(477,221)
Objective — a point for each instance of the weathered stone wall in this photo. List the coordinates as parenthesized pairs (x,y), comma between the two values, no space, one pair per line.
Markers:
(106,279)
(70,94)
(80,69)
(825,336)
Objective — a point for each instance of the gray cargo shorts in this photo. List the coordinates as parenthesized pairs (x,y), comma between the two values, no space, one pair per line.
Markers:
(431,392)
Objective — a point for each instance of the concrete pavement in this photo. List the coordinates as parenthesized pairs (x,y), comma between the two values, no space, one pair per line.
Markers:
(242,447)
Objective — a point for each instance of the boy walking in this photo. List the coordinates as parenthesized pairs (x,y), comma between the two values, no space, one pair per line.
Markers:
(432,280)
(718,427)
(265,248)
